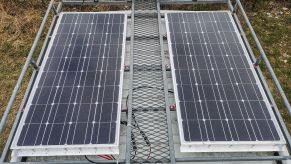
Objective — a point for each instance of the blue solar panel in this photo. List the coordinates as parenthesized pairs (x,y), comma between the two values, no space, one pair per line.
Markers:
(76,99)
(218,95)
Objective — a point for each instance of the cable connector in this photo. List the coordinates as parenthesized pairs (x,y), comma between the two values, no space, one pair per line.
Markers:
(168,67)
(126,68)
(172,107)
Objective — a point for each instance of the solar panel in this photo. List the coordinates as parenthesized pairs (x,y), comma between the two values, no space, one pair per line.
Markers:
(76,100)
(219,97)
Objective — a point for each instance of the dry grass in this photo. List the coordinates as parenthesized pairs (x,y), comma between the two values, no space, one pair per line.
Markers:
(19,23)
(272,22)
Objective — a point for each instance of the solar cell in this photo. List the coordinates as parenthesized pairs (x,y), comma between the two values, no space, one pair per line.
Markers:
(77,95)
(218,95)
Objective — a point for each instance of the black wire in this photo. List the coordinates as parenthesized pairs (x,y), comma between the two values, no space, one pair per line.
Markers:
(112,157)
(136,124)
(141,87)
(170,91)
(132,138)
(101,162)
(89,160)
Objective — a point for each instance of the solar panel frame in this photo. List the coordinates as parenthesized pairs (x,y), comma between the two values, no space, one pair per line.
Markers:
(91,2)
(222,146)
(81,149)
(191,1)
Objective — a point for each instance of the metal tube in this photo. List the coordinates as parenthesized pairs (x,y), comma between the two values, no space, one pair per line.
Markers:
(234,8)
(70,162)
(264,83)
(224,159)
(129,114)
(50,31)
(265,59)
(230,7)
(95,3)
(27,92)
(55,10)
(25,67)
(9,140)
(169,125)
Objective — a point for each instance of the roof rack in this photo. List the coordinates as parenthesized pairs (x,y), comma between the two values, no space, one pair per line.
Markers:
(147,98)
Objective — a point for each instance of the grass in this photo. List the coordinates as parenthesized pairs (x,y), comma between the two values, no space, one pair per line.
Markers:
(272,22)
(19,23)
(20,20)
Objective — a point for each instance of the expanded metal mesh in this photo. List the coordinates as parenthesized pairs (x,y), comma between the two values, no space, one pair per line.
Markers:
(145,5)
(146,24)
(149,133)
(153,125)
(145,55)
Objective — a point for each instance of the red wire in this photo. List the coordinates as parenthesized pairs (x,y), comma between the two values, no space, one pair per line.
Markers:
(104,157)
(109,157)
(150,152)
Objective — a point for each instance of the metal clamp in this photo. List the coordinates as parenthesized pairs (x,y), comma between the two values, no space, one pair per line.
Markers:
(235,8)
(33,63)
(168,67)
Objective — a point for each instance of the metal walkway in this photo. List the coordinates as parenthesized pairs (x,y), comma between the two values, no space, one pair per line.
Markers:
(149,130)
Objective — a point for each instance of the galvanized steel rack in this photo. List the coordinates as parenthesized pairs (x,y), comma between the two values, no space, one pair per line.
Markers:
(150,126)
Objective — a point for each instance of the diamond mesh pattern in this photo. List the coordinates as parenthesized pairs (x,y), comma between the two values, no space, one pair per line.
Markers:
(149,133)
(143,78)
(145,5)
(146,53)
(154,125)
(146,24)
(148,99)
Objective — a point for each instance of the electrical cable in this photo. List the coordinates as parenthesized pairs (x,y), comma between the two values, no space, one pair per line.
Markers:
(112,157)
(108,157)
(136,124)
(104,157)
(134,147)
(150,151)
(91,161)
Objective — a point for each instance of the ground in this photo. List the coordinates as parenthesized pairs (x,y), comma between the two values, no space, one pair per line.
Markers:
(20,20)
